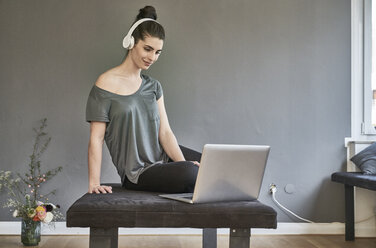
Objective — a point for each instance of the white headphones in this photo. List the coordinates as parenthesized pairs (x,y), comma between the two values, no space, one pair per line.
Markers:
(128,41)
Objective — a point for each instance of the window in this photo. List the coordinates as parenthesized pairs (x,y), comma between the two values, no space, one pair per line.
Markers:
(369,120)
(362,97)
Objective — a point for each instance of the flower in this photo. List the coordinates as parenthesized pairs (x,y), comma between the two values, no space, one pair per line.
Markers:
(48,218)
(49,207)
(41,212)
(25,193)
(31,213)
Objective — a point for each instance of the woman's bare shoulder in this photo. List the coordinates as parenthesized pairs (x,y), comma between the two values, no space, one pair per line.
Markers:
(106,80)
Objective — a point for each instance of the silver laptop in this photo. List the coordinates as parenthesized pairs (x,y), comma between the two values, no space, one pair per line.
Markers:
(227,173)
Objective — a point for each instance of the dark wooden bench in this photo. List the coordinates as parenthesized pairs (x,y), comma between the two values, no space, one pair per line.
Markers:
(351,179)
(105,213)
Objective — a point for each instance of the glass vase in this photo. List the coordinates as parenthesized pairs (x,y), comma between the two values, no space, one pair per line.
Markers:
(30,232)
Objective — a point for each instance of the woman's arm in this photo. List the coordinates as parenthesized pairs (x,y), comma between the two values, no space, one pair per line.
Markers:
(97,130)
(166,136)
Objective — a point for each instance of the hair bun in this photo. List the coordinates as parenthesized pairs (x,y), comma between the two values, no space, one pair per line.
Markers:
(147,12)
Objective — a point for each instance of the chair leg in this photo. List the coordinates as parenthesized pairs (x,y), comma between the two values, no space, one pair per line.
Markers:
(209,238)
(349,212)
(103,237)
(240,238)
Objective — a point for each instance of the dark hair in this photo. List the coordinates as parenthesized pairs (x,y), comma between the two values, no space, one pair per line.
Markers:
(148,28)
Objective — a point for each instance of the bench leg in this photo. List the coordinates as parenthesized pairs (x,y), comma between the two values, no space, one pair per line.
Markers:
(349,212)
(240,238)
(103,237)
(209,238)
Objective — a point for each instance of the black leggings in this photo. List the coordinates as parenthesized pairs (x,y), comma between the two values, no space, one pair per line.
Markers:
(171,177)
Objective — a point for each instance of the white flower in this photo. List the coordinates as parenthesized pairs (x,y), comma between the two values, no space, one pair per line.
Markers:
(31,213)
(39,203)
(15,213)
(48,218)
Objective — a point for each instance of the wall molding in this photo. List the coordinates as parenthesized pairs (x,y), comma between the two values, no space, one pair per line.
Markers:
(335,228)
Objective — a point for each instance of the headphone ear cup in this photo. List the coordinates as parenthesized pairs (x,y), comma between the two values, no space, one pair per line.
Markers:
(126,42)
(131,43)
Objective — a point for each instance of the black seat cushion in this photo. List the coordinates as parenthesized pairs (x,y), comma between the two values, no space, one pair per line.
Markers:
(355,179)
(125,208)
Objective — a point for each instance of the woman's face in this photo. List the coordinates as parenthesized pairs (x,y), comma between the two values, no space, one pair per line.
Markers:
(146,52)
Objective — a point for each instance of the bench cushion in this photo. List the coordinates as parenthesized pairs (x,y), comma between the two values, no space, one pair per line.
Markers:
(366,160)
(126,208)
(355,179)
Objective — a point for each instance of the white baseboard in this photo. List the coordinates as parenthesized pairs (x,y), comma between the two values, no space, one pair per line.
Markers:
(14,228)
(336,228)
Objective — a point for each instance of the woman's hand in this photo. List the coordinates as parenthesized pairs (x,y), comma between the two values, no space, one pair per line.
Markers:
(99,189)
(196,163)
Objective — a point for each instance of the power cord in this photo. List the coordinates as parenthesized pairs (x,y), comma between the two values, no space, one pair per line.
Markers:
(273,190)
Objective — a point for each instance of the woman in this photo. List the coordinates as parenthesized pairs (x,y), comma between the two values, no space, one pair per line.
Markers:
(126,109)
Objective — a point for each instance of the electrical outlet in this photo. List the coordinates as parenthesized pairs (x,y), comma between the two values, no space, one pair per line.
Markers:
(272,188)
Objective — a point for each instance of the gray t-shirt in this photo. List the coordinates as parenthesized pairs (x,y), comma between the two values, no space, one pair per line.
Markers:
(132,126)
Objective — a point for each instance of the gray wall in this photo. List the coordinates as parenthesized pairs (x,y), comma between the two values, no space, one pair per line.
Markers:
(246,72)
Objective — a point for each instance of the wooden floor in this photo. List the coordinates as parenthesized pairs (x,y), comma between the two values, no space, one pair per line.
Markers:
(194,241)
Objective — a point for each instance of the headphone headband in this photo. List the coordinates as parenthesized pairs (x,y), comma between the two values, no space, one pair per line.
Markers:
(128,41)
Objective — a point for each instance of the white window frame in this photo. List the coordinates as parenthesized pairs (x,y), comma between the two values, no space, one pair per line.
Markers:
(367,127)
(361,126)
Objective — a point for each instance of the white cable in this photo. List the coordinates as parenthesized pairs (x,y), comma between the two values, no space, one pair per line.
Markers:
(280,205)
